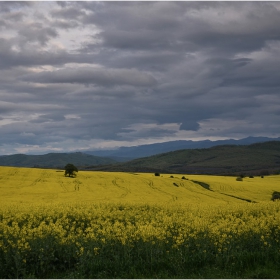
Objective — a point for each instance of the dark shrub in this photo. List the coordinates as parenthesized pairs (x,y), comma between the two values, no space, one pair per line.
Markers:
(239,179)
(275,196)
(157,174)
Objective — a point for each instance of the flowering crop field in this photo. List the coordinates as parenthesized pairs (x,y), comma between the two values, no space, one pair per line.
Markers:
(31,185)
(124,225)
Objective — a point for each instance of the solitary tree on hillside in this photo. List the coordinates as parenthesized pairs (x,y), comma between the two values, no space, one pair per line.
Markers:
(70,170)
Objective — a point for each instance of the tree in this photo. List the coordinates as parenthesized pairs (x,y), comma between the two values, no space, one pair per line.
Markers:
(70,170)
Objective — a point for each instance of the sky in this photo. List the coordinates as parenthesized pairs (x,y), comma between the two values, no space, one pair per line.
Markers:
(100,75)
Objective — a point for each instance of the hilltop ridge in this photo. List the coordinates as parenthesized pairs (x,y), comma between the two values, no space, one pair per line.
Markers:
(224,159)
(130,153)
(255,158)
(53,160)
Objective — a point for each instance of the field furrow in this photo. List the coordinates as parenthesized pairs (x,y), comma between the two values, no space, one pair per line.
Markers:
(47,185)
(102,224)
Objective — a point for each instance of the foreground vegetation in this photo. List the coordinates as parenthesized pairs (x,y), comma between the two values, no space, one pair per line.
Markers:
(124,225)
(82,240)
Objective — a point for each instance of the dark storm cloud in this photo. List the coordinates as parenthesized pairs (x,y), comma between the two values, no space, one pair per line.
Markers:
(189,125)
(147,61)
(83,73)
(227,27)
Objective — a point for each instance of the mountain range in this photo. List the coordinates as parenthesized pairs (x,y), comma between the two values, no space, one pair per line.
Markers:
(200,157)
(123,154)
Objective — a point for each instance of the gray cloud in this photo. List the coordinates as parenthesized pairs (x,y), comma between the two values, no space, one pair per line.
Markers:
(87,75)
(106,73)
(69,13)
(13,58)
(56,117)
(8,6)
(35,32)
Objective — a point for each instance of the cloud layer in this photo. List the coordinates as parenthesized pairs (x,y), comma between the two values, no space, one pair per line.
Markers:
(89,75)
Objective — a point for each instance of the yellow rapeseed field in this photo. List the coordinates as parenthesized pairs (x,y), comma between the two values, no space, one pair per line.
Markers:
(127,225)
(30,185)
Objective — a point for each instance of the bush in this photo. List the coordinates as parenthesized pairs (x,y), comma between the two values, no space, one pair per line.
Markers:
(239,179)
(157,174)
(275,196)
(251,176)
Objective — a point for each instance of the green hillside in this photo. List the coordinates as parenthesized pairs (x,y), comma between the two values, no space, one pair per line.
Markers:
(53,160)
(227,159)
(253,159)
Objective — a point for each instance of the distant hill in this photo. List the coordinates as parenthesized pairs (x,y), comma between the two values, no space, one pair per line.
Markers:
(224,159)
(123,154)
(53,160)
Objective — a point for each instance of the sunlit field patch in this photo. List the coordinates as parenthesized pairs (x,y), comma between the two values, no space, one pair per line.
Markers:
(256,189)
(30,185)
(124,225)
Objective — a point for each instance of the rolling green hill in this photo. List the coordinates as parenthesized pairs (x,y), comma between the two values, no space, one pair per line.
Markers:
(226,159)
(124,154)
(53,160)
